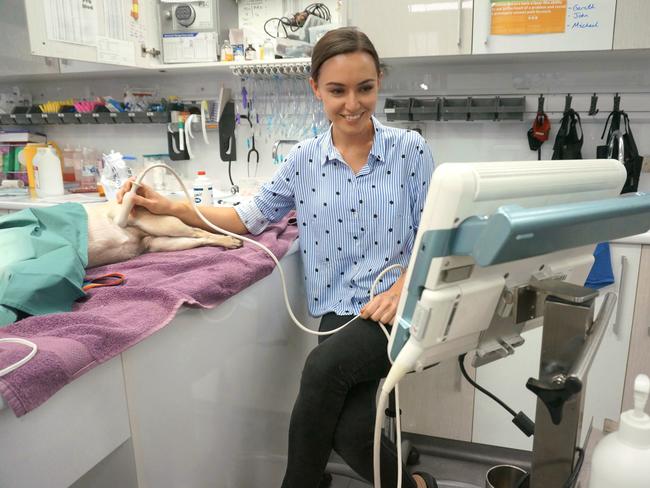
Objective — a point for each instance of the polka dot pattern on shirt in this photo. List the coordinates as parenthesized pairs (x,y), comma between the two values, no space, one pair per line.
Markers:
(355,224)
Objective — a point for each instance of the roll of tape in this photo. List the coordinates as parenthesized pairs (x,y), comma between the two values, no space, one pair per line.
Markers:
(12,184)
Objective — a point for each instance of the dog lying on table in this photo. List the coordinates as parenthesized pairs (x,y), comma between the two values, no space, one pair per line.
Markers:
(43,259)
(145,232)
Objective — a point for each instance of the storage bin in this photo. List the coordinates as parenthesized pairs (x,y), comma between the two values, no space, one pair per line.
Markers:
(511,108)
(482,108)
(397,109)
(455,109)
(425,109)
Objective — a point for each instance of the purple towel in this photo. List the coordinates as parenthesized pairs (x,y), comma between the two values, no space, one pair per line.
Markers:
(112,319)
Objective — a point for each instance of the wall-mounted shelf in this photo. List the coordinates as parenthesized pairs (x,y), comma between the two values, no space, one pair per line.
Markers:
(465,108)
(85,118)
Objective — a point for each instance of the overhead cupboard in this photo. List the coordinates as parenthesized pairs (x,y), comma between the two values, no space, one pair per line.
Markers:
(403,28)
(112,33)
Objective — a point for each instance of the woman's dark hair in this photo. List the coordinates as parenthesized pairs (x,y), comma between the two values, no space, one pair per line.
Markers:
(341,41)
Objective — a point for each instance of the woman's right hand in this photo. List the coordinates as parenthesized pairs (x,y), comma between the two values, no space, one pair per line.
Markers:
(146,197)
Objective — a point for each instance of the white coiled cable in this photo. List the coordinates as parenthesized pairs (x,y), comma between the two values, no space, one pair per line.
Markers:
(18,364)
(384,394)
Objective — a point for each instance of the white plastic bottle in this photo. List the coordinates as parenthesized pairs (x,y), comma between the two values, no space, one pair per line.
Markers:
(203,192)
(269,50)
(622,459)
(47,173)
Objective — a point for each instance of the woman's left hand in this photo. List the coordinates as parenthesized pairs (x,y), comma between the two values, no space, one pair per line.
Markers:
(383,307)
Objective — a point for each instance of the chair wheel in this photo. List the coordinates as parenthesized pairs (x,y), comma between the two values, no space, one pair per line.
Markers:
(413,457)
(325,481)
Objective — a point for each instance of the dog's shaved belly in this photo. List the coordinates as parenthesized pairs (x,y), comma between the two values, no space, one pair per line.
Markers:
(107,242)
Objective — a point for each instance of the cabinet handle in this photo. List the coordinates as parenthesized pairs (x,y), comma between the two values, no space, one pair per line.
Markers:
(617,323)
(460,23)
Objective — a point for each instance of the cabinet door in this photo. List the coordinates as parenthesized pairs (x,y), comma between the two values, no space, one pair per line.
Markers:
(588,26)
(402,28)
(437,402)
(606,380)
(632,20)
(100,31)
(15,57)
(507,378)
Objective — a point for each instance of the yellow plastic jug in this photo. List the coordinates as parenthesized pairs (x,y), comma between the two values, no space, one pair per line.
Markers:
(26,157)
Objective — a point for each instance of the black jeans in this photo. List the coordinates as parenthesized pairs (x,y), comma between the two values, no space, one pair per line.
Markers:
(336,406)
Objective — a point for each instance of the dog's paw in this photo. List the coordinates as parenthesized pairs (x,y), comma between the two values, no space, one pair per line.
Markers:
(231,243)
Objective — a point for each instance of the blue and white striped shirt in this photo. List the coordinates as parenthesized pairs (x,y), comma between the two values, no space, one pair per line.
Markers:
(351,226)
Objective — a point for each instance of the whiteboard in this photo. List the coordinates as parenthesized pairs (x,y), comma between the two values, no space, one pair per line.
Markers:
(114,37)
(589,27)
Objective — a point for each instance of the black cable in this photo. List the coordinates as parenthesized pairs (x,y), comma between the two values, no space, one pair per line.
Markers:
(232,183)
(521,420)
(298,19)
(461,363)
(571,481)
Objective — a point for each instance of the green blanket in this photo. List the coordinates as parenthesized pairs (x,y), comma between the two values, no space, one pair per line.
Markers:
(43,255)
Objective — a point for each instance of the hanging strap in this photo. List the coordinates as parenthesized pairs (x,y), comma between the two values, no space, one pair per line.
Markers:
(98,281)
(562,131)
(575,121)
(609,118)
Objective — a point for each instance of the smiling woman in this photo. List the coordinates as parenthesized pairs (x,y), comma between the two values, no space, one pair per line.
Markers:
(358,191)
(346,75)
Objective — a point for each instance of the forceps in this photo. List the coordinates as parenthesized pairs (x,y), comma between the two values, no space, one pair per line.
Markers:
(253,150)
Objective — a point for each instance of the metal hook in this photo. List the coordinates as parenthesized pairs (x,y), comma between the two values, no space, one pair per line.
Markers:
(592,106)
(567,102)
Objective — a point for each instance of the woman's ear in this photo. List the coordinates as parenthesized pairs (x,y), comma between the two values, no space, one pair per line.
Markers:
(380,77)
(314,88)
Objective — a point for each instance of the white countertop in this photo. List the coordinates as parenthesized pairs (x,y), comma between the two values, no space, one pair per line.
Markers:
(21,202)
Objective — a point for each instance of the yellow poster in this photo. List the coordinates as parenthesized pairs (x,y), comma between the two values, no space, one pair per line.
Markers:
(511,17)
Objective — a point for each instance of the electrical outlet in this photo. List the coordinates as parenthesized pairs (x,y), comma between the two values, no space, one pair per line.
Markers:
(645,167)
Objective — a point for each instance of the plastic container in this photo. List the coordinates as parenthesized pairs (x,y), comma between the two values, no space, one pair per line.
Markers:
(622,459)
(89,171)
(397,109)
(238,52)
(77,160)
(26,157)
(267,50)
(236,37)
(68,164)
(203,189)
(47,173)
(114,173)
(226,51)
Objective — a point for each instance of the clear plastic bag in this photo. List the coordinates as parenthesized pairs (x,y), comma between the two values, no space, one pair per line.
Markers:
(114,174)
